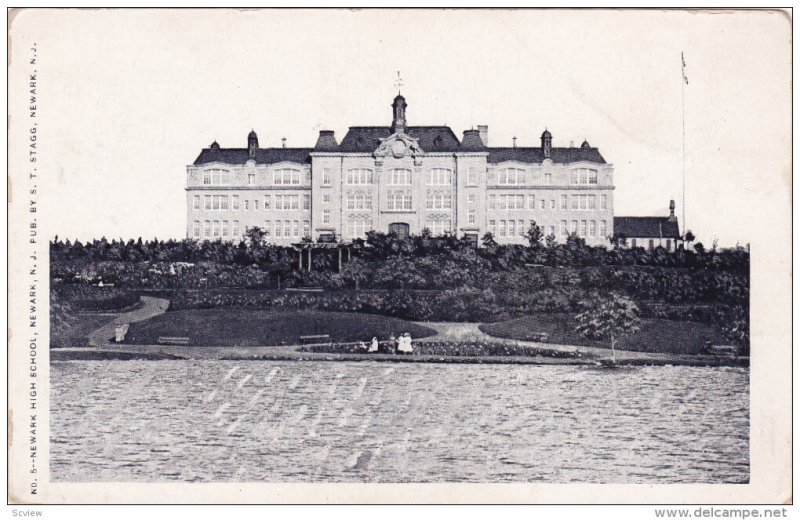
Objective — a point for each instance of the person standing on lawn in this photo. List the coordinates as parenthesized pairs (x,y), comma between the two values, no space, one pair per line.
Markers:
(391,346)
(405,344)
(373,347)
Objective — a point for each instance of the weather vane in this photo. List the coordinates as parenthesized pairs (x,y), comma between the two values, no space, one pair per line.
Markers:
(398,83)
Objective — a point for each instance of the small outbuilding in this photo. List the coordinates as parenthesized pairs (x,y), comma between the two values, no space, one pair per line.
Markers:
(648,232)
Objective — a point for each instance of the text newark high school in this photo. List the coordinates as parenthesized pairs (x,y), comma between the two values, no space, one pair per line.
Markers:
(401,178)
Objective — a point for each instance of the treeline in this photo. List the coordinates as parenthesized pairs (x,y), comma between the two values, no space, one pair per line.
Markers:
(253,249)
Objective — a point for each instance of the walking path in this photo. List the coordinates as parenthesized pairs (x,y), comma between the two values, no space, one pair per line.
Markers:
(150,307)
(102,347)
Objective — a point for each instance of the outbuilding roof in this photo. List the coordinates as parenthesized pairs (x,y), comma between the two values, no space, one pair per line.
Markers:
(646,227)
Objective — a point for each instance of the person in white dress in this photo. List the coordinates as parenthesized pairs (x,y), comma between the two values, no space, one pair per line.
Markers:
(373,347)
(405,344)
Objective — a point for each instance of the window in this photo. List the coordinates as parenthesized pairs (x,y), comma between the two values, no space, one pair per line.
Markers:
(206,178)
(512,229)
(592,228)
(196,229)
(602,202)
(633,242)
(439,177)
(399,177)
(552,203)
(306,201)
(491,202)
(548,179)
(296,228)
(306,228)
(573,226)
(359,176)
(471,216)
(326,216)
(215,228)
(511,202)
(223,202)
(439,201)
(502,229)
(531,202)
(247,205)
(278,228)
(267,201)
(251,178)
(207,228)
(650,244)
(196,203)
(592,201)
(398,201)
(225,228)
(255,204)
(472,176)
(286,202)
(359,200)
(326,176)
(669,245)
(492,227)
(267,228)
(358,227)
(216,177)
(511,176)
(584,176)
(235,229)
(583,228)
(286,177)
(471,198)
(439,227)
(235,202)
(583,202)
(563,202)
(207,202)
(564,228)
(326,199)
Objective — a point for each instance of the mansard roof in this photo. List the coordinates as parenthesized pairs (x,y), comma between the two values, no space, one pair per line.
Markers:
(365,139)
(263,155)
(536,155)
(646,227)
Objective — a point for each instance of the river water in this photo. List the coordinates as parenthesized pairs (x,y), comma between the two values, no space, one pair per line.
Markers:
(265,421)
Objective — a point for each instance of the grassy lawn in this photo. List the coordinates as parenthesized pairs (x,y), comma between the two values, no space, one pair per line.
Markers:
(74,335)
(254,327)
(666,336)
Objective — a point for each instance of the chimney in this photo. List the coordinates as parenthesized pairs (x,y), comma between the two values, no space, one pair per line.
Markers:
(514,141)
(326,142)
(283,142)
(483,130)
(672,217)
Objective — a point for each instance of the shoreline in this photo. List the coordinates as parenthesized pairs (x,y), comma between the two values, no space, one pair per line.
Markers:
(159,353)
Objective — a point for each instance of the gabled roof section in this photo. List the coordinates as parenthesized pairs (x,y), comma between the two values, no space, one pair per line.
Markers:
(365,139)
(235,156)
(535,155)
(646,227)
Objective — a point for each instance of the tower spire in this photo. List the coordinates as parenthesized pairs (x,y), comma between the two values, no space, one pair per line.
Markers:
(398,83)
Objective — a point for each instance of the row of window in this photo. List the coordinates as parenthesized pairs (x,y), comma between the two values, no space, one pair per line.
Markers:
(215,229)
(579,202)
(511,228)
(224,202)
(651,244)
(584,228)
(396,177)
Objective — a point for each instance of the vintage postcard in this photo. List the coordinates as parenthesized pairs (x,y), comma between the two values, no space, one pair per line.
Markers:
(399,256)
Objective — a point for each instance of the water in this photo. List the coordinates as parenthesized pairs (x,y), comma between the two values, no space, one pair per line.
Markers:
(375,422)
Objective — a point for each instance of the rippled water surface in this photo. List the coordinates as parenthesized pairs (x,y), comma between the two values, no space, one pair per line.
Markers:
(374,422)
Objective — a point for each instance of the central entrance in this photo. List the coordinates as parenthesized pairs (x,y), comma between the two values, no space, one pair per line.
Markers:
(401,229)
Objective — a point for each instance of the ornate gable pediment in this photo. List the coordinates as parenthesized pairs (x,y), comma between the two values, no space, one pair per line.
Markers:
(398,145)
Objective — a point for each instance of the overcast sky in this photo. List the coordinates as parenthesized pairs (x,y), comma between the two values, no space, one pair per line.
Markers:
(128,99)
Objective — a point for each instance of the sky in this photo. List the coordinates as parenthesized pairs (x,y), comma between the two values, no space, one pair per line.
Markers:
(127,99)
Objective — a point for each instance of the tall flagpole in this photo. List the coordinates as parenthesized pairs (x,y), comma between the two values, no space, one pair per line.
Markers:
(684,82)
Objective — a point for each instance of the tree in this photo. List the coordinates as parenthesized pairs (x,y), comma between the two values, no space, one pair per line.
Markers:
(689,237)
(535,234)
(609,319)
(255,236)
(550,240)
(488,240)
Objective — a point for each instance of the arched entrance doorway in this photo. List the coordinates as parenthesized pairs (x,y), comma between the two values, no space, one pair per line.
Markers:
(400,228)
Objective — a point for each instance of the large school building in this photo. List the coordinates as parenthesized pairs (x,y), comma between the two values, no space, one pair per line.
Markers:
(404,179)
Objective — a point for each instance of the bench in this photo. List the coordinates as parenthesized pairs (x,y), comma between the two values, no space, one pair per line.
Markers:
(316,338)
(540,337)
(173,340)
(720,350)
